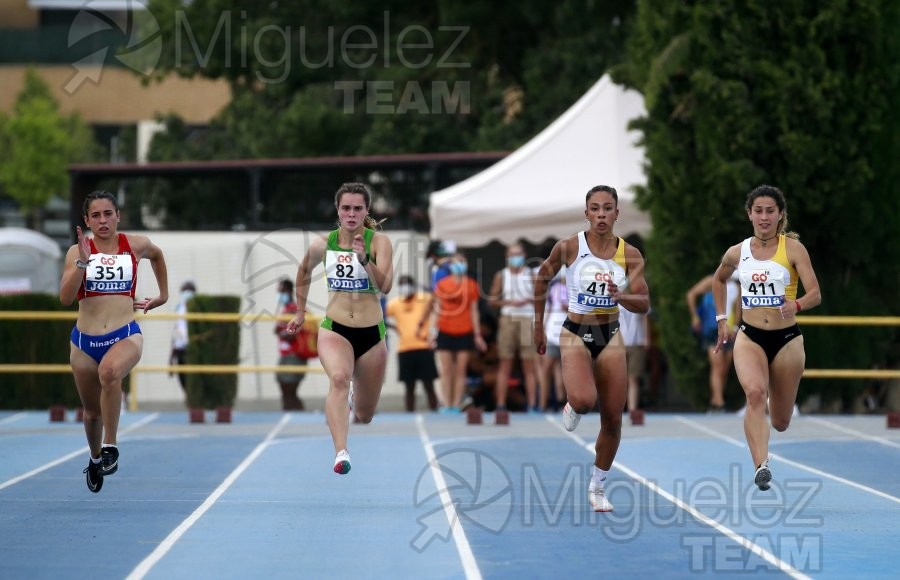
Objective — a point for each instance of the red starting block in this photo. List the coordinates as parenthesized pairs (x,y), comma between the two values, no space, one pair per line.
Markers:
(473,416)
(197,415)
(57,414)
(893,419)
(501,417)
(223,414)
(637,417)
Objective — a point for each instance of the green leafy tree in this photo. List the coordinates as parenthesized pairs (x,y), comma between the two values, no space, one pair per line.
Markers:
(797,94)
(482,76)
(37,144)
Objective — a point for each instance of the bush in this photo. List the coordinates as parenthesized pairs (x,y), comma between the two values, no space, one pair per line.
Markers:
(35,342)
(212,343)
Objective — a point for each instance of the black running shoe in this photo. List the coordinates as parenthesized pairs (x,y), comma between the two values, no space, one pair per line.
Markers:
(93,477)
(109,461)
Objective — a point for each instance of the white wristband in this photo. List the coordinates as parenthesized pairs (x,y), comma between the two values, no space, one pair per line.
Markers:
(721,317)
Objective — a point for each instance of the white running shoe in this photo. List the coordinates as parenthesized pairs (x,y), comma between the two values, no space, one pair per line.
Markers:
(763,476)
(342,462)
(570,418)
(597,497)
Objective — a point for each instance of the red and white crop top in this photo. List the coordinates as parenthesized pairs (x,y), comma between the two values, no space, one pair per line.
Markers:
(110,274)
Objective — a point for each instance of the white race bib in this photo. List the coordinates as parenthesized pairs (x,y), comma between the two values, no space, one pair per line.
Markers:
(593,286)
(344,272)
(762,288)
(109,273)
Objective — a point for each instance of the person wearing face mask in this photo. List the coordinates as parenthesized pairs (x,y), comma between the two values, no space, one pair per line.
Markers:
(512,292)
(415,358)
(290,350)
(455,302)
(180,332)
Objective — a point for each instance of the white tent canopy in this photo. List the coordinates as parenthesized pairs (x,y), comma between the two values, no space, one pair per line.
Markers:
(537,192)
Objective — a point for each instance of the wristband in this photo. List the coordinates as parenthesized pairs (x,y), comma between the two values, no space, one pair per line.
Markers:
(797,304)
(721,317)
(366,261)
(79,263)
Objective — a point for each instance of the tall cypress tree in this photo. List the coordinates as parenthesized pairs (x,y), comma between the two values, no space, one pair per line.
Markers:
(796,94)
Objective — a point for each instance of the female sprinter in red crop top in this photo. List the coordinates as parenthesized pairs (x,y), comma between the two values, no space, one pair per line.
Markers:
(101,273)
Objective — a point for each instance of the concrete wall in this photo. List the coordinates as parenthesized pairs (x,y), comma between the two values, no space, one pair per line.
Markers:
(249,265)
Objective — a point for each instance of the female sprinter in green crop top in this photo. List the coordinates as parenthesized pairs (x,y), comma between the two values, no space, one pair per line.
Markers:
(358,268)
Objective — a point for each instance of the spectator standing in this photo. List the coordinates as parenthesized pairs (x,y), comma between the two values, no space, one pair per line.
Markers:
(550,364)
(512,292)
(704,326)
(180,332)
(415,357)
(635,334)
(455,302)
(291,349)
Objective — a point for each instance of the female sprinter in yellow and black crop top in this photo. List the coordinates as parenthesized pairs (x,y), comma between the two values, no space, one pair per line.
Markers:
(768,351)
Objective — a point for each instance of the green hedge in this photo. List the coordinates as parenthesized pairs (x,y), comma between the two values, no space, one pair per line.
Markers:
(212,343)
(35,342)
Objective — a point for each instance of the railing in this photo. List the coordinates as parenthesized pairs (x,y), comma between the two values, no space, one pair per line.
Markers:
(178,369)
(251,319)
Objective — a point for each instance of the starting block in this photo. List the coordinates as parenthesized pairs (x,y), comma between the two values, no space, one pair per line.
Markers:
(57,414)
(197,415)
(223,414)
(501,417)
(79,414)
(637,417)
(893,419)
(474,416)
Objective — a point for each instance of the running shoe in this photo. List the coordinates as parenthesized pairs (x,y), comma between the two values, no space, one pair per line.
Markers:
(597,497)
(342,462)
(763,476)
(570,418)
(109,461)
(93,476)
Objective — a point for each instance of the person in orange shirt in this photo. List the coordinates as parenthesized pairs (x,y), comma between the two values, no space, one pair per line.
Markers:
(455,302)
(414,355)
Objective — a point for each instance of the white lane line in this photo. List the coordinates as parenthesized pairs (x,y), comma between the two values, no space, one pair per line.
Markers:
(147,564)
(790,462)
(13,418)
(470,566)
(73,454)
(699,516)
(854,432)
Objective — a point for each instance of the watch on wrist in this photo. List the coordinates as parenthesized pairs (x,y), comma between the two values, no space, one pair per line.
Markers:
(366,261)
(79,263)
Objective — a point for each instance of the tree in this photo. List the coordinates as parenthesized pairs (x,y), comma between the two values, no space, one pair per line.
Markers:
(36,146)
(796,94)
(318,78)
